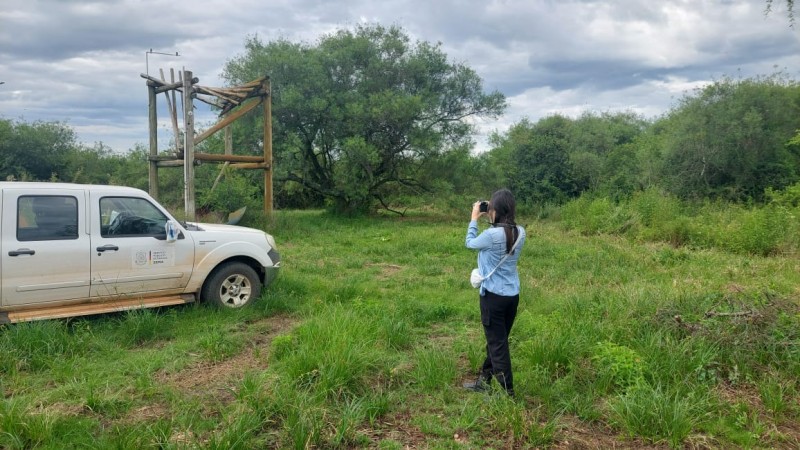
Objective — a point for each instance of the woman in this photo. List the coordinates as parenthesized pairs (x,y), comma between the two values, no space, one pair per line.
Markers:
(499,293)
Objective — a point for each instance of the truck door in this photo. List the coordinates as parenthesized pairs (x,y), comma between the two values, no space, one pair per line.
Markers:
(130,253)
(45,246)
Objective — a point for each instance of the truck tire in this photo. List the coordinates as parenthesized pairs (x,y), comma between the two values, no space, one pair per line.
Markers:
(232,285)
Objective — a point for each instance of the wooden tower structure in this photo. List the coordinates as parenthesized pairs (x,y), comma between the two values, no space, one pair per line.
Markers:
(233,103)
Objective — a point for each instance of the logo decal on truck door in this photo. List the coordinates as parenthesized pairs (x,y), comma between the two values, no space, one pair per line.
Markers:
(144,258)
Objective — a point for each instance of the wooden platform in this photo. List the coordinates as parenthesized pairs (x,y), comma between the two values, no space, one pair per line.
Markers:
(85,309)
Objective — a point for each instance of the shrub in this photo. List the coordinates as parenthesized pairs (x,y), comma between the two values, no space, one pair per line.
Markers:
(653,216)
(232,193)
(758,231)
(618,365)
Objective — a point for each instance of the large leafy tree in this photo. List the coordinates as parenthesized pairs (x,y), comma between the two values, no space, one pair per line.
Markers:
(730,139)
(36,151)
(356,114)
(599,149)
(536,160)
(559,157)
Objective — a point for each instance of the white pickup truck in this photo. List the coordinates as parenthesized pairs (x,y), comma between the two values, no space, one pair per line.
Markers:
(69,250)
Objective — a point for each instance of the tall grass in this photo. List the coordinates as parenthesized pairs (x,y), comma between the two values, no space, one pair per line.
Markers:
(659,414)
(36,346)
(657,217)
(638,325)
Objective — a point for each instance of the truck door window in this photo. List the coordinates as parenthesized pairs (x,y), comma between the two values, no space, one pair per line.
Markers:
(130,217)
(47,217)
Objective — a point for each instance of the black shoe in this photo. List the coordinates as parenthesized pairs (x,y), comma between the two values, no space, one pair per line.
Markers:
(478,385)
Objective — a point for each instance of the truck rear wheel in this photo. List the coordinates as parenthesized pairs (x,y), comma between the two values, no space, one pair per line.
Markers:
(232,285)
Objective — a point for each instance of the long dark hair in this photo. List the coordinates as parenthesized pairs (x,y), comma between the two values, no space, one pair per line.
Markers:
(504,207)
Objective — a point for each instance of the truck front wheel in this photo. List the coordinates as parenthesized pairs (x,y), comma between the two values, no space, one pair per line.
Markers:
(232,285)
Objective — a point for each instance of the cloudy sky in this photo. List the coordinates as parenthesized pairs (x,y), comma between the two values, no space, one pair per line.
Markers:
(78,62)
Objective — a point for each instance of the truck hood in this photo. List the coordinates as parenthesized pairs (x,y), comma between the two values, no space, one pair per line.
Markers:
(219,228)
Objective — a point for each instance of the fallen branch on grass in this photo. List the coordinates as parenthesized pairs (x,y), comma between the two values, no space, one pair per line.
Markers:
(751,313)
(691,327)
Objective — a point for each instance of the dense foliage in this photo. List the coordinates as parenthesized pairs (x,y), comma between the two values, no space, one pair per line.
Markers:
(357,114)
(731,140)
(366,118)
(36,150)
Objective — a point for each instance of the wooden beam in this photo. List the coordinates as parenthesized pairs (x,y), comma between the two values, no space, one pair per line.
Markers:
(244,109)
(96,306)
(163,158)
(153,130)
(173,163)
(162,86)
(228,140)
(254,83)
(228,151)
(250,166)
(219,93)
(229,158)
(188,146)
(172,111)
(219,175)
(267,99)
(176,130)
(156,82)
(241,165)
(169,87)
(210,101)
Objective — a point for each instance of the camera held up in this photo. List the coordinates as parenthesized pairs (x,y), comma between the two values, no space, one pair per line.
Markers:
(484,206)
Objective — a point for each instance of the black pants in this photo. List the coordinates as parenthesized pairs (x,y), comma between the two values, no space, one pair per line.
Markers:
(497,315)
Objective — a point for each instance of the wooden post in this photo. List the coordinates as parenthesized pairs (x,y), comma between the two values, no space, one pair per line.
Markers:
(171,110)
(266,89)
(153,126)
(188,145)
(228,140)
(178,149)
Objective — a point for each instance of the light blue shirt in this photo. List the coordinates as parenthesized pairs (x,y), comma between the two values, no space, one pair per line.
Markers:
(491,246)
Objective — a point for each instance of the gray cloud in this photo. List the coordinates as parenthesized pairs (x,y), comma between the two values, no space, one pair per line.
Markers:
(79,61)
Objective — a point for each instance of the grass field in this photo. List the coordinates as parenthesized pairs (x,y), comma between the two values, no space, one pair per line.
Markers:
(369,331)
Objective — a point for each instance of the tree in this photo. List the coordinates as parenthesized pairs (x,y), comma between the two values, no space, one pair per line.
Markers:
(594,147)
(730,139)
(37,150)
(539,170)
(559,157)
(357,114)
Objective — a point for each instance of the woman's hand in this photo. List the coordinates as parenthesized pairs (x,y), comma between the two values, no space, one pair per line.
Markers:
(476,210)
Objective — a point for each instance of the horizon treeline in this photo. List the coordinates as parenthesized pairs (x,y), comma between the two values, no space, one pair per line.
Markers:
(734,140)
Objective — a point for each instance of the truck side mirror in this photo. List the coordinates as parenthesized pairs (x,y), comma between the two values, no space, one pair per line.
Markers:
(172,231)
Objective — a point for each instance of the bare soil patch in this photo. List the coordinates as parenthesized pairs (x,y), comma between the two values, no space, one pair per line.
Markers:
(217,380)
(577,435)
(387,270)
(397,427)
(207,376)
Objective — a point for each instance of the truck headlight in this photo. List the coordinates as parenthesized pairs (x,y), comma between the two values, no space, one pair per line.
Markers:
(271,241)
